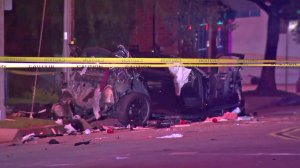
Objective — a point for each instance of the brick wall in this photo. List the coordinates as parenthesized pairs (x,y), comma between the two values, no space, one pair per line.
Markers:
(165,35)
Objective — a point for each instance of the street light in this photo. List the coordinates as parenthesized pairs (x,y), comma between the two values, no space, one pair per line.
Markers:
(292,25)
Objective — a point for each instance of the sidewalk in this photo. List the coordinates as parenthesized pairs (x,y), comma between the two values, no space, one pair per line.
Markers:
(260,103)
(15,135)
(288,88)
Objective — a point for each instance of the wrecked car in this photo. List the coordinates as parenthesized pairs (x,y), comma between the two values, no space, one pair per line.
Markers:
(134,95)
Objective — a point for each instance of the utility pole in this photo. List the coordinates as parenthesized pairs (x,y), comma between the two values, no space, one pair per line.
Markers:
(68,32)
(2,78)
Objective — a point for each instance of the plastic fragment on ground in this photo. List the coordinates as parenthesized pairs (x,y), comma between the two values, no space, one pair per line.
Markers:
(82,143)
(69,128)
(87,132)
(59,121)
(244,118)
(236,110)
(28,137)
(171,136)
(53,142)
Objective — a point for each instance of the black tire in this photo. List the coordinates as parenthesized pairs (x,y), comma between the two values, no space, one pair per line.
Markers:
(133,109)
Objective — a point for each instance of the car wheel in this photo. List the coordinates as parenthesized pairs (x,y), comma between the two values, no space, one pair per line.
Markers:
(134,109)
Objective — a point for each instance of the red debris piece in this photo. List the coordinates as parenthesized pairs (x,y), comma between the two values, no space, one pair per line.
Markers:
(214,120)
(110,130)
(183,122)
(230,116)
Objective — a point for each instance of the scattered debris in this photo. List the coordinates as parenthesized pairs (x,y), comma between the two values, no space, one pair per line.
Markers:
(27,138)
(183,122)
(87,132)
(140,128)
(69,129)
(171,136)
(77,125)
(244,118)
(230,116)
(166,123)
(110,130)
(101,138)
(121,157)
(227,116)
(214,120)
(237,110)
(53,142)
(59,121)
(82,143)
(42,111)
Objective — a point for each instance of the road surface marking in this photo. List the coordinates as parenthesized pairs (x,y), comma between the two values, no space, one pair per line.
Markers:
(62,164)
(183,153)
(233,154)
(273,154)
(287,134)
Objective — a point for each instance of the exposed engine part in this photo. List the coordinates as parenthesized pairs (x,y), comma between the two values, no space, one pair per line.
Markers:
(108,96)
(96,103)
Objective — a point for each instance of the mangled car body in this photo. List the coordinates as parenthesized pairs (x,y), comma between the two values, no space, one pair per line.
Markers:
(133,95)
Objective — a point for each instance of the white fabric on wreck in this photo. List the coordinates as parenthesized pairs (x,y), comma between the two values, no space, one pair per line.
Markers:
(181,75)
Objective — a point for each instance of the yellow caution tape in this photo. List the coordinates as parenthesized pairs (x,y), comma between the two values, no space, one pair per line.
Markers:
(28,73)
(137,60)
(74,65)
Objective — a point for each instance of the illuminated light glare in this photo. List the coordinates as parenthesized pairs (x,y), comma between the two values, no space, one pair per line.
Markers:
(292,25)
(219,23)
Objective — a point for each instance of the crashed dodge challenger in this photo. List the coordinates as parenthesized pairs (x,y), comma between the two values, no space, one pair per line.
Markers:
(134,95)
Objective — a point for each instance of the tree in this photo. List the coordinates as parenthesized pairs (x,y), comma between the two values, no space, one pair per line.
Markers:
(104,23)
(276,10)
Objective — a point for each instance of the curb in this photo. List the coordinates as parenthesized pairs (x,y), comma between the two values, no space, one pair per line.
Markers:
(15,135)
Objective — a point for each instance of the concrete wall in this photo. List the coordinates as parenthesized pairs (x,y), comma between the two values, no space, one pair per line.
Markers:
(250,38)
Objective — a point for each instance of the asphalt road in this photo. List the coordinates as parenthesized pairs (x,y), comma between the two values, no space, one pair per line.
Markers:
(271,142)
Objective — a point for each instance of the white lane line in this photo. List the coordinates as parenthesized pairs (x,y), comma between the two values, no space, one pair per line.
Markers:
(183,153)
(62,164)
(234,154)
(273,154)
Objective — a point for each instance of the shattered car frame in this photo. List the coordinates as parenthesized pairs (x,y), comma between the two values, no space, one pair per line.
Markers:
(133,95)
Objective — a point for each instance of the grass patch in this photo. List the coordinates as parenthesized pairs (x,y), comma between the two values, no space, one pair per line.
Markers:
(13,101)
(22,122)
